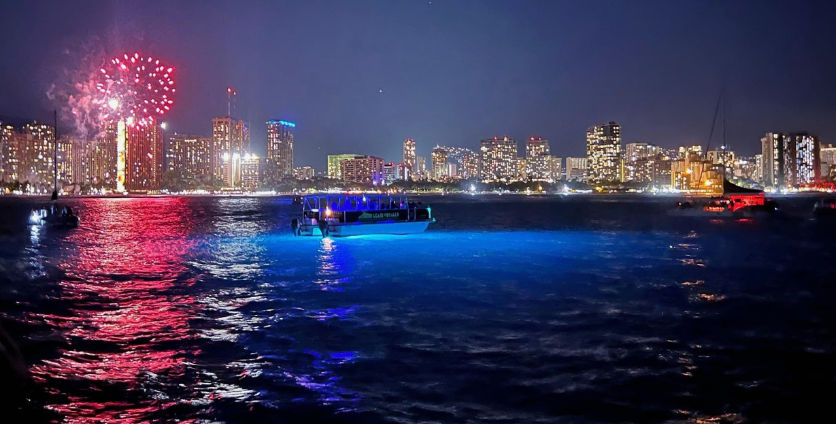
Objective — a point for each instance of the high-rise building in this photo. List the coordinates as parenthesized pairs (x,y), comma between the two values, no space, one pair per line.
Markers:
(37,148)
(722,156)
(303,173)
(439,163)
(229,135)
(191,155)
(364,169)
(802,156)
(9,154)
(409,156)
(421,166)
(538,159)
(334,170)
(603,149)
(100,158)
(576,169)
(557,168)
(280,149)
(143,157)
(688,151)
(231,169)
(466,161)
(772,151)
(66,172)
(250,171)
(499,159)
(758,177)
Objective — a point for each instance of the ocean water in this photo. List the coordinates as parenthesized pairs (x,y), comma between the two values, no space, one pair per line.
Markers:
(511,309)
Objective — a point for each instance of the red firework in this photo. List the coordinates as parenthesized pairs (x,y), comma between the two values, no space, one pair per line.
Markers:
(135,88)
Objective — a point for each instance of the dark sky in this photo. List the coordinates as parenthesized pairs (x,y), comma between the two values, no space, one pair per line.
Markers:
(453,71)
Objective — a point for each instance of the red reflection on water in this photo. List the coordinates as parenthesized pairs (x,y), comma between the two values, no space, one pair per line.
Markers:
(126,327)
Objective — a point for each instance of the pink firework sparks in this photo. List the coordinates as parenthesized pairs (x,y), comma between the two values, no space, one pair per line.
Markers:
(135,88)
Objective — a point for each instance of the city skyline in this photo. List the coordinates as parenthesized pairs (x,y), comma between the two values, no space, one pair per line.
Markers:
(544,89)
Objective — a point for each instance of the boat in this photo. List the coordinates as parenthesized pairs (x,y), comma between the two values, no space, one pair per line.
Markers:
(734,202)
(297,200)
(825,208)
(354,215)
(53,217)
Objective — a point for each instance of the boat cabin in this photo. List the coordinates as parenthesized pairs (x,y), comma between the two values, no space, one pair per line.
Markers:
(359,208)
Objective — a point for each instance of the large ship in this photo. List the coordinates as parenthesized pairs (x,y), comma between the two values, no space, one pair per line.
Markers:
(354,215)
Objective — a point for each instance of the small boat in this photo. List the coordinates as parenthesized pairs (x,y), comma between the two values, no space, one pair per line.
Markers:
(63,218)
(825,208)
(354,215)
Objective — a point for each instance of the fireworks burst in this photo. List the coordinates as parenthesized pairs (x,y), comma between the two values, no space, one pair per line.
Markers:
(135,88)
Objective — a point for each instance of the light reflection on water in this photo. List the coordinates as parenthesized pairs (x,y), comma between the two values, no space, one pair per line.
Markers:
(209,309)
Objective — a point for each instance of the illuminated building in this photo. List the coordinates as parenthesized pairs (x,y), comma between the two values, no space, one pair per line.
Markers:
(334,164)
(638,151)
(143,157)
(421,166)
(576,169)
(390,172)
(538,159)
(803,160)
(466,161)
(250,171)
(9,154)
(451,169)
(364,169)
(229,136)
(642,164)
(746,169)
(439,163)
(603,149)
(303,173)
(499,159)
(758,177)
(37,149)
(827,154)
(409,156)
(661,171)
(721,156)
(100,158)
(772,151)
(66,171)
(522,169)
(557,168)
(191,156)
(280,149)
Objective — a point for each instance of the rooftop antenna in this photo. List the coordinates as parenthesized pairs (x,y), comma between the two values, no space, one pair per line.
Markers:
(230,102)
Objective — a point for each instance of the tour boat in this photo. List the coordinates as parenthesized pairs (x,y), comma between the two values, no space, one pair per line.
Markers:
(734,202)
(354,215)
(52,217)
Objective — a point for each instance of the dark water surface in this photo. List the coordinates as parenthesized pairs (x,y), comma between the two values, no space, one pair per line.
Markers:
(511,309)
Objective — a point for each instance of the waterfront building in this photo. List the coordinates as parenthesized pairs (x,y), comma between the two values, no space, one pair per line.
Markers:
(538,159)
(802,159)
(100,158)
(229,135)
(772,154)
(576,169)
(67,173)
(9,154)
(390,172)
(758,177)
(408,157)
(231,169)
(363,169)
(499,159)
(191,156)
(334,164)
(37,150)
(303,173)
(280,149)
(143,157)
(557,168)
(439,163)
(603,149)
(250,171)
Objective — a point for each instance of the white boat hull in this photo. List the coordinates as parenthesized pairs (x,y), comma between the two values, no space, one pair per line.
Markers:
(369,228)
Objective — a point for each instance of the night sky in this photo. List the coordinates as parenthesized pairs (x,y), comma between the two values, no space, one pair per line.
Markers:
(452,71)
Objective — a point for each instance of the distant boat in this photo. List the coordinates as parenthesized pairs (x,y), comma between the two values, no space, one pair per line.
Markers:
(825,208)
(354,215)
